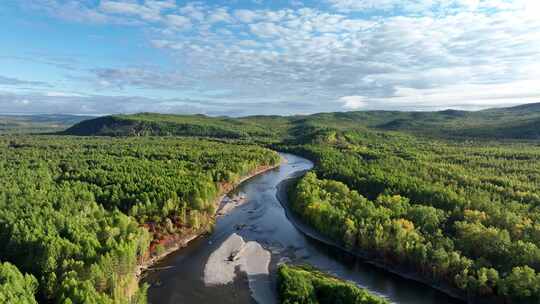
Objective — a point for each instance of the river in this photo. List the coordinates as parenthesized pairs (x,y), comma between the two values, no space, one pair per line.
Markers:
(179,278)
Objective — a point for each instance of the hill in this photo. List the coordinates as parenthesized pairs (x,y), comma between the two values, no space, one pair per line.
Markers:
(144,124)
(38,123)
(519,122)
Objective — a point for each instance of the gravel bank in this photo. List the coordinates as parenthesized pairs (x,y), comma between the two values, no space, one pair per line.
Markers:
(249,257)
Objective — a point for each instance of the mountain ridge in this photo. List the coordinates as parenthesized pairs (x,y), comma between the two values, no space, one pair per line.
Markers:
(518,122)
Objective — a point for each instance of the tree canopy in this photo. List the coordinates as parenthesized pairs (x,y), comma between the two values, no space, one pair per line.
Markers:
(75,212)
(463,214)
(306,285)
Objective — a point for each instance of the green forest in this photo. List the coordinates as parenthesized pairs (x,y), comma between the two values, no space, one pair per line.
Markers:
(76,213)
(448,197)
(304,284)
(463,215)
(520,122)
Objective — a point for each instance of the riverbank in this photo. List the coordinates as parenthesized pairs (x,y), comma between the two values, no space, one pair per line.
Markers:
(178,241)
(282,196)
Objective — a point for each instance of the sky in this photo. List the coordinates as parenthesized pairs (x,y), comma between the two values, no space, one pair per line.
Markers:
(245,57)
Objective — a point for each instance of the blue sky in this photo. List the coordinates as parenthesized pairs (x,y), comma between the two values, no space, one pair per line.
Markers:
(243,57)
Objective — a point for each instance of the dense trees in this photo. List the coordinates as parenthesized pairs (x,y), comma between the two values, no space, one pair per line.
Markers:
(78,214)
(305,285)
(504,123)
(16,287)
(146,124)
(72,209)
(459,213)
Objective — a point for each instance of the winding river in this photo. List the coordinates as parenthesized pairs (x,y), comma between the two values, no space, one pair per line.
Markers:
(180,277)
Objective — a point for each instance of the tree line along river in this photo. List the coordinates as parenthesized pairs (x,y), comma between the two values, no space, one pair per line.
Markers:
(181,277)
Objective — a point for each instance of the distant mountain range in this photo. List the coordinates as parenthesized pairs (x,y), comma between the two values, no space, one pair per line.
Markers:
(520,122)
(38,123)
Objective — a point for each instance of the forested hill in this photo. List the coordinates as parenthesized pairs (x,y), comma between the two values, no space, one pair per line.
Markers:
(521,122)
(164,125)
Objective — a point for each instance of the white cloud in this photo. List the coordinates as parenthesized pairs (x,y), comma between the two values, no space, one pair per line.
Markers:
(220,15)
(72,10)
(353,102)
(179,22)
(246,16)
(62,94)
(363,5)
(148,13)
(194,11)
(416,53)
(138,77)
(319,56)
(461,96)
(161,4)
(248,43)
(10,81)
(427,7)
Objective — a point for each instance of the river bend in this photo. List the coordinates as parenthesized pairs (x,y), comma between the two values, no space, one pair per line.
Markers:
(180,277)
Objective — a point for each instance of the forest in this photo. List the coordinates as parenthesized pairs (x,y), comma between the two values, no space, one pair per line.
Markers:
(520,122)
(462,215)
(443,196)
(304,284)
(75,212)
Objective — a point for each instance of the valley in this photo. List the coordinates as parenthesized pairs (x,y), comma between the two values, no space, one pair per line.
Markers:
(443,198)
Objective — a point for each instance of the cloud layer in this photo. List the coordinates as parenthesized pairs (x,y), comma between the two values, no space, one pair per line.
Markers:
(343,55)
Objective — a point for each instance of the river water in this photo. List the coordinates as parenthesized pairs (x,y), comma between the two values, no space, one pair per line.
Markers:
(179,278)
